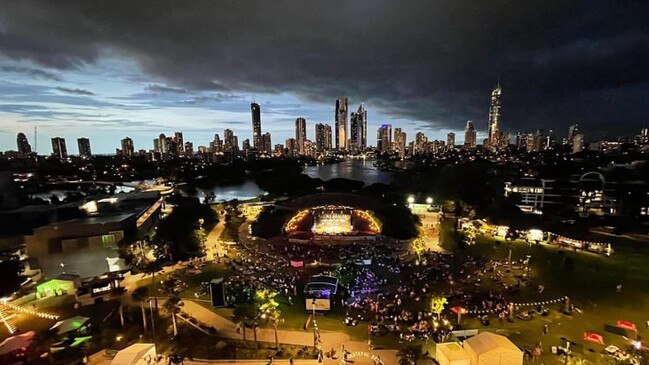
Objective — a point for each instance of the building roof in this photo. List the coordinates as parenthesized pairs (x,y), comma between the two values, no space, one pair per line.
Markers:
(132,354)
(452,351)
(485,342)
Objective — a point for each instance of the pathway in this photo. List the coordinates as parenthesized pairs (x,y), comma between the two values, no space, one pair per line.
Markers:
(228,329)
(430,225)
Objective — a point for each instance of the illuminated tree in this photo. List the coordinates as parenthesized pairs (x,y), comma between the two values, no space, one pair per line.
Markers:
(419,246)
(268,309)
(437,305)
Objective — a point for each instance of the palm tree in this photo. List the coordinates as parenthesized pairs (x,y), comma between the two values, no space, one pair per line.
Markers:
(139,295)
(268,309)
(172,287)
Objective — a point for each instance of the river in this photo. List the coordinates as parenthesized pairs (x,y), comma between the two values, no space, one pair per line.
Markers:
(353,169)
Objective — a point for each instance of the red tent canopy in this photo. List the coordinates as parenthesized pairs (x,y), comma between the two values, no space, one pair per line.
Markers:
(593,337)
(627,325)
(458,310)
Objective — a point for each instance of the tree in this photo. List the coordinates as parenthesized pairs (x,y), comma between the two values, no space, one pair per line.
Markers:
(409,355)
(10,273)
(245,313)
(268,309)
(419,246)
(172,287)
(437,305)
(139,295)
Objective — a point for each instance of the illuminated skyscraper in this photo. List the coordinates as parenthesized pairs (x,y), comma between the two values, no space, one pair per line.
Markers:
(127,147)
(470,135)
(400,142)
(494,118)
(84,147)
(266,143)
(573,131)
(322,137)
(358,129)
(384,138)
(341,123)
(58,148)
(255,110)
(300,134)
(450,140)
(24,149)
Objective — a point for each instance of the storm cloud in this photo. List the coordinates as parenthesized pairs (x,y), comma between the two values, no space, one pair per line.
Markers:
(433,62)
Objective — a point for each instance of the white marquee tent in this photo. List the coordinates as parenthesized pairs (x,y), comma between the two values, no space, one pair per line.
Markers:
(489,348)
(451,353)
(136,354)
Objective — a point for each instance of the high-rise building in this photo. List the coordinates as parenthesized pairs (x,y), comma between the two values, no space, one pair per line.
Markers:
(246,146)
(58,148)
(267,145)
(300,134)
(216,146)
(322,137)
(257,141)
(384,138)
(24,149)
(163,144)
(84,147)
(189,149)
(229,142)
(358,129)
(419,145)
(341,123)
(450,140)
(400,142)
(180,144)
(494,118)
(291,147)
(573,130)
(577,143)
(470,135)
(127,147)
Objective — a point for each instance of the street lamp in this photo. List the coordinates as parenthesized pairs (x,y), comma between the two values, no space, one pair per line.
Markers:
(411,199)
(429,200)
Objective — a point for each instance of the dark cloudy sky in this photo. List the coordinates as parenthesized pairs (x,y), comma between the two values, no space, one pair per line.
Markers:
(107,69)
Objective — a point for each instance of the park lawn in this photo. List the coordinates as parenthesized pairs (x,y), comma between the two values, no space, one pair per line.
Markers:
(590,281)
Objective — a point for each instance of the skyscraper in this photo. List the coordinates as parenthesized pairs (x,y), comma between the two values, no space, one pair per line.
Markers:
(300,134)
(470,135)
(400,142)
(127,147)
(341,123)
(322,137)
(24,149)
(266,143)
(230,142)
(419,145)
(450,140)
(58,148)
(180,144)
(255,110)
(84,147)
(384,138)
(358,129)
(494,118)
(577,143)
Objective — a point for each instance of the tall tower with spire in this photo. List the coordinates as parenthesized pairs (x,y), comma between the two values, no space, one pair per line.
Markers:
(494,117)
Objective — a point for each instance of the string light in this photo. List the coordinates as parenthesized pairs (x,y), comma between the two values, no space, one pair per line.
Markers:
(10,327)
(32,312)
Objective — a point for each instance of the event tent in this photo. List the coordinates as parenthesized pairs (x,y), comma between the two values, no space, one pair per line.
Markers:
(17,342)
(136,354)
(451,353)
(69,325)
(489,348)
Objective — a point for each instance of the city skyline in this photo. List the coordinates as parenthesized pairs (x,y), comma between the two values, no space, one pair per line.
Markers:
(556,69)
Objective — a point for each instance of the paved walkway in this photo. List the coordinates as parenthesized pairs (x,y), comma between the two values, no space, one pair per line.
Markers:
(335,340)
(430,226)
(214,247)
